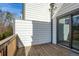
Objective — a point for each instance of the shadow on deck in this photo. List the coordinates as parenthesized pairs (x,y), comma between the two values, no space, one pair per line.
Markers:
(20,48)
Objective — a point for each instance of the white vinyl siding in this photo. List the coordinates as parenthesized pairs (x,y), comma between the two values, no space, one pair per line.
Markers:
(36,28)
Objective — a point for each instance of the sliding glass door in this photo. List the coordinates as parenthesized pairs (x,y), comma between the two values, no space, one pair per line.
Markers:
(68,31)
(75,31)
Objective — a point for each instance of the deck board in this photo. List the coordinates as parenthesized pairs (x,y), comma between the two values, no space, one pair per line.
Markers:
(46,50)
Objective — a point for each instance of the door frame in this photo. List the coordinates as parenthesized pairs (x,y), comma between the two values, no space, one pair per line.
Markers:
(71,14)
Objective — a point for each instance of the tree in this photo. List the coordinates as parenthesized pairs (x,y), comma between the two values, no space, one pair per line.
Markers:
(9,16)
(6,17)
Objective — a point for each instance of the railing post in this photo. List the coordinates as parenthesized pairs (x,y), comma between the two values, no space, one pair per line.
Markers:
(5,51)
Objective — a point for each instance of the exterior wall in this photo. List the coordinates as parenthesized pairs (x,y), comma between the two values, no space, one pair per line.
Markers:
(36,28)
(24,30)
(54,40)
(63,8)
(37,11)
(37,17)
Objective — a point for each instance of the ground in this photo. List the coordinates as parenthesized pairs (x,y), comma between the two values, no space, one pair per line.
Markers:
(45,50)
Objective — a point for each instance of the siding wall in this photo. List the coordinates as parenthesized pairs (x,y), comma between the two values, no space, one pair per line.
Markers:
(36,28)
(37,11)
(24,30)
(64,8)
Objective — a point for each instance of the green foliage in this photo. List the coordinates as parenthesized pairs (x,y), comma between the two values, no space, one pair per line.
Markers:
(9,30)
(1,36)
(6,33)
(9,16)
(77,39)
(76,27)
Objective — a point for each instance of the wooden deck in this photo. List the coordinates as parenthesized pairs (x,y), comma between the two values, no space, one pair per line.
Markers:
(45,50)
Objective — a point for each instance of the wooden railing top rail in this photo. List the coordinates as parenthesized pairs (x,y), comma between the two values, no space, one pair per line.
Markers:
(5,42)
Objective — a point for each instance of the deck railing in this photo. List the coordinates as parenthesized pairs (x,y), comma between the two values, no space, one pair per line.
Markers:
(8,46)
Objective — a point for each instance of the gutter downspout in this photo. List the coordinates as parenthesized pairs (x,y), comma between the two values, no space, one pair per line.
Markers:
(51,14)
(54,8)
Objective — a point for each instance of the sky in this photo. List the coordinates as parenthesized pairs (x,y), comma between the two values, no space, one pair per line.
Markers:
(15,8)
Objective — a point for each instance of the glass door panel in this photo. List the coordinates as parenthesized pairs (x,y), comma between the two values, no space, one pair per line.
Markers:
(75,31)
(64,31)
